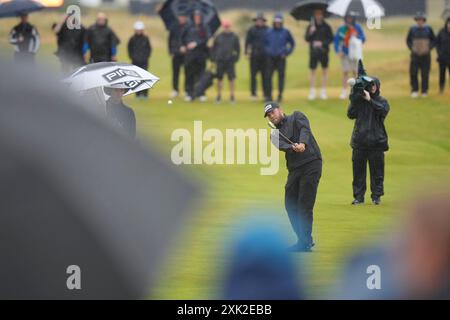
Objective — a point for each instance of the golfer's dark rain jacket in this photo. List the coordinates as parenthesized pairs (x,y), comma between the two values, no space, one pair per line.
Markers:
(296,128)
(369,131)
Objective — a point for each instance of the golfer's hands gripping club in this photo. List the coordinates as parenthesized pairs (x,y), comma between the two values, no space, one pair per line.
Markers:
(299,147)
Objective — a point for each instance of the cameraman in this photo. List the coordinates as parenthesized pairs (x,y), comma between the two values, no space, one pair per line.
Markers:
(369,139)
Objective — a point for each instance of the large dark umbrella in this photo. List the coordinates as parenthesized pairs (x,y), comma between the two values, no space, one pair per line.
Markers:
(76,192)
(171,9)
(16,8)
(304,10)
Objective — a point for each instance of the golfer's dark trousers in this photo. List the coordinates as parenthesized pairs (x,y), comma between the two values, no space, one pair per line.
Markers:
(258,64)
(375,158)
(443,67)
(300,197)
(422,64)
(177,63)
(277,64)
(143,65)
(195,64)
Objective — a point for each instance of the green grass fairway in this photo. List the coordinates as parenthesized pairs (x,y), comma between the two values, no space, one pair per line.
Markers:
(419,133)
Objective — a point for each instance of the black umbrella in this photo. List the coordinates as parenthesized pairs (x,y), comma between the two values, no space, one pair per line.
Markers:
(304,10)
(171,9)
(76,192)
(16,8)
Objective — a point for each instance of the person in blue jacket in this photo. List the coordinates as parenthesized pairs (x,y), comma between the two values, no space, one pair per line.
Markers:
(279,44)
(341,46)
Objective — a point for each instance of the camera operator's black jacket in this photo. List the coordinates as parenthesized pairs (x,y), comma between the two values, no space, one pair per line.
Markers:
(296,128)
(369,131)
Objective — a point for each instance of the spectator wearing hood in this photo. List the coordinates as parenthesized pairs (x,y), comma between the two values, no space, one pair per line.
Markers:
(342,47)
(195,39)
(139,51)
(70,43)
(255,51)
(225,53)
(25,39)
(443,49)
(420,41)
(319,35)
(101,41)
(369,141)
(279,44)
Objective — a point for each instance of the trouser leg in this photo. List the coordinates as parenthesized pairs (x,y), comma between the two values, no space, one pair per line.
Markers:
(253,73)
(425,72)
(176,66)
(413,72)
(442,74)
(290,201)
(281,69)
(359,160)
(270,72)
(190,77)
(308,184)
(376,166)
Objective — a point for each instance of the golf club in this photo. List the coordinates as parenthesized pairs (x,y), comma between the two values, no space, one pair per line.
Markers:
(271,125)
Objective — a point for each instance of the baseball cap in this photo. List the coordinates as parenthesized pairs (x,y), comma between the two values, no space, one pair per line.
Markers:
(268,107)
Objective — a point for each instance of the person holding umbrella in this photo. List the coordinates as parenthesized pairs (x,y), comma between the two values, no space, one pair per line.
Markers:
(101,40)
(25,39)
(319,35)
(279,44)
(139,51)
(195,39)
(443,49)
(304,163)
(420,41)
(344,35)
(177,50)
(255,51)
(118,114)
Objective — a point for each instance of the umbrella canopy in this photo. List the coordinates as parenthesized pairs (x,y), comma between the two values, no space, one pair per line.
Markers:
(110,74)
(16,8)
(362,8)
(304,10)
(171,9)
(75,192)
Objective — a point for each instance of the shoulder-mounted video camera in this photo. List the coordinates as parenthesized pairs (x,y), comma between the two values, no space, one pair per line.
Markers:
(361,83)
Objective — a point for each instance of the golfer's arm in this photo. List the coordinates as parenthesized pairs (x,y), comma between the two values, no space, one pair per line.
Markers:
(305,131)
(280,144)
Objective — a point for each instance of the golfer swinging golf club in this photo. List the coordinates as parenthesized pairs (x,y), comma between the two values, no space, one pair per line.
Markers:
(304,163)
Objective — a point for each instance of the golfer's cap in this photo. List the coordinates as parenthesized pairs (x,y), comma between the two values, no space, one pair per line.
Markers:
(268,107)
(139,25)
(260,16)
(226,23)
(278,17)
